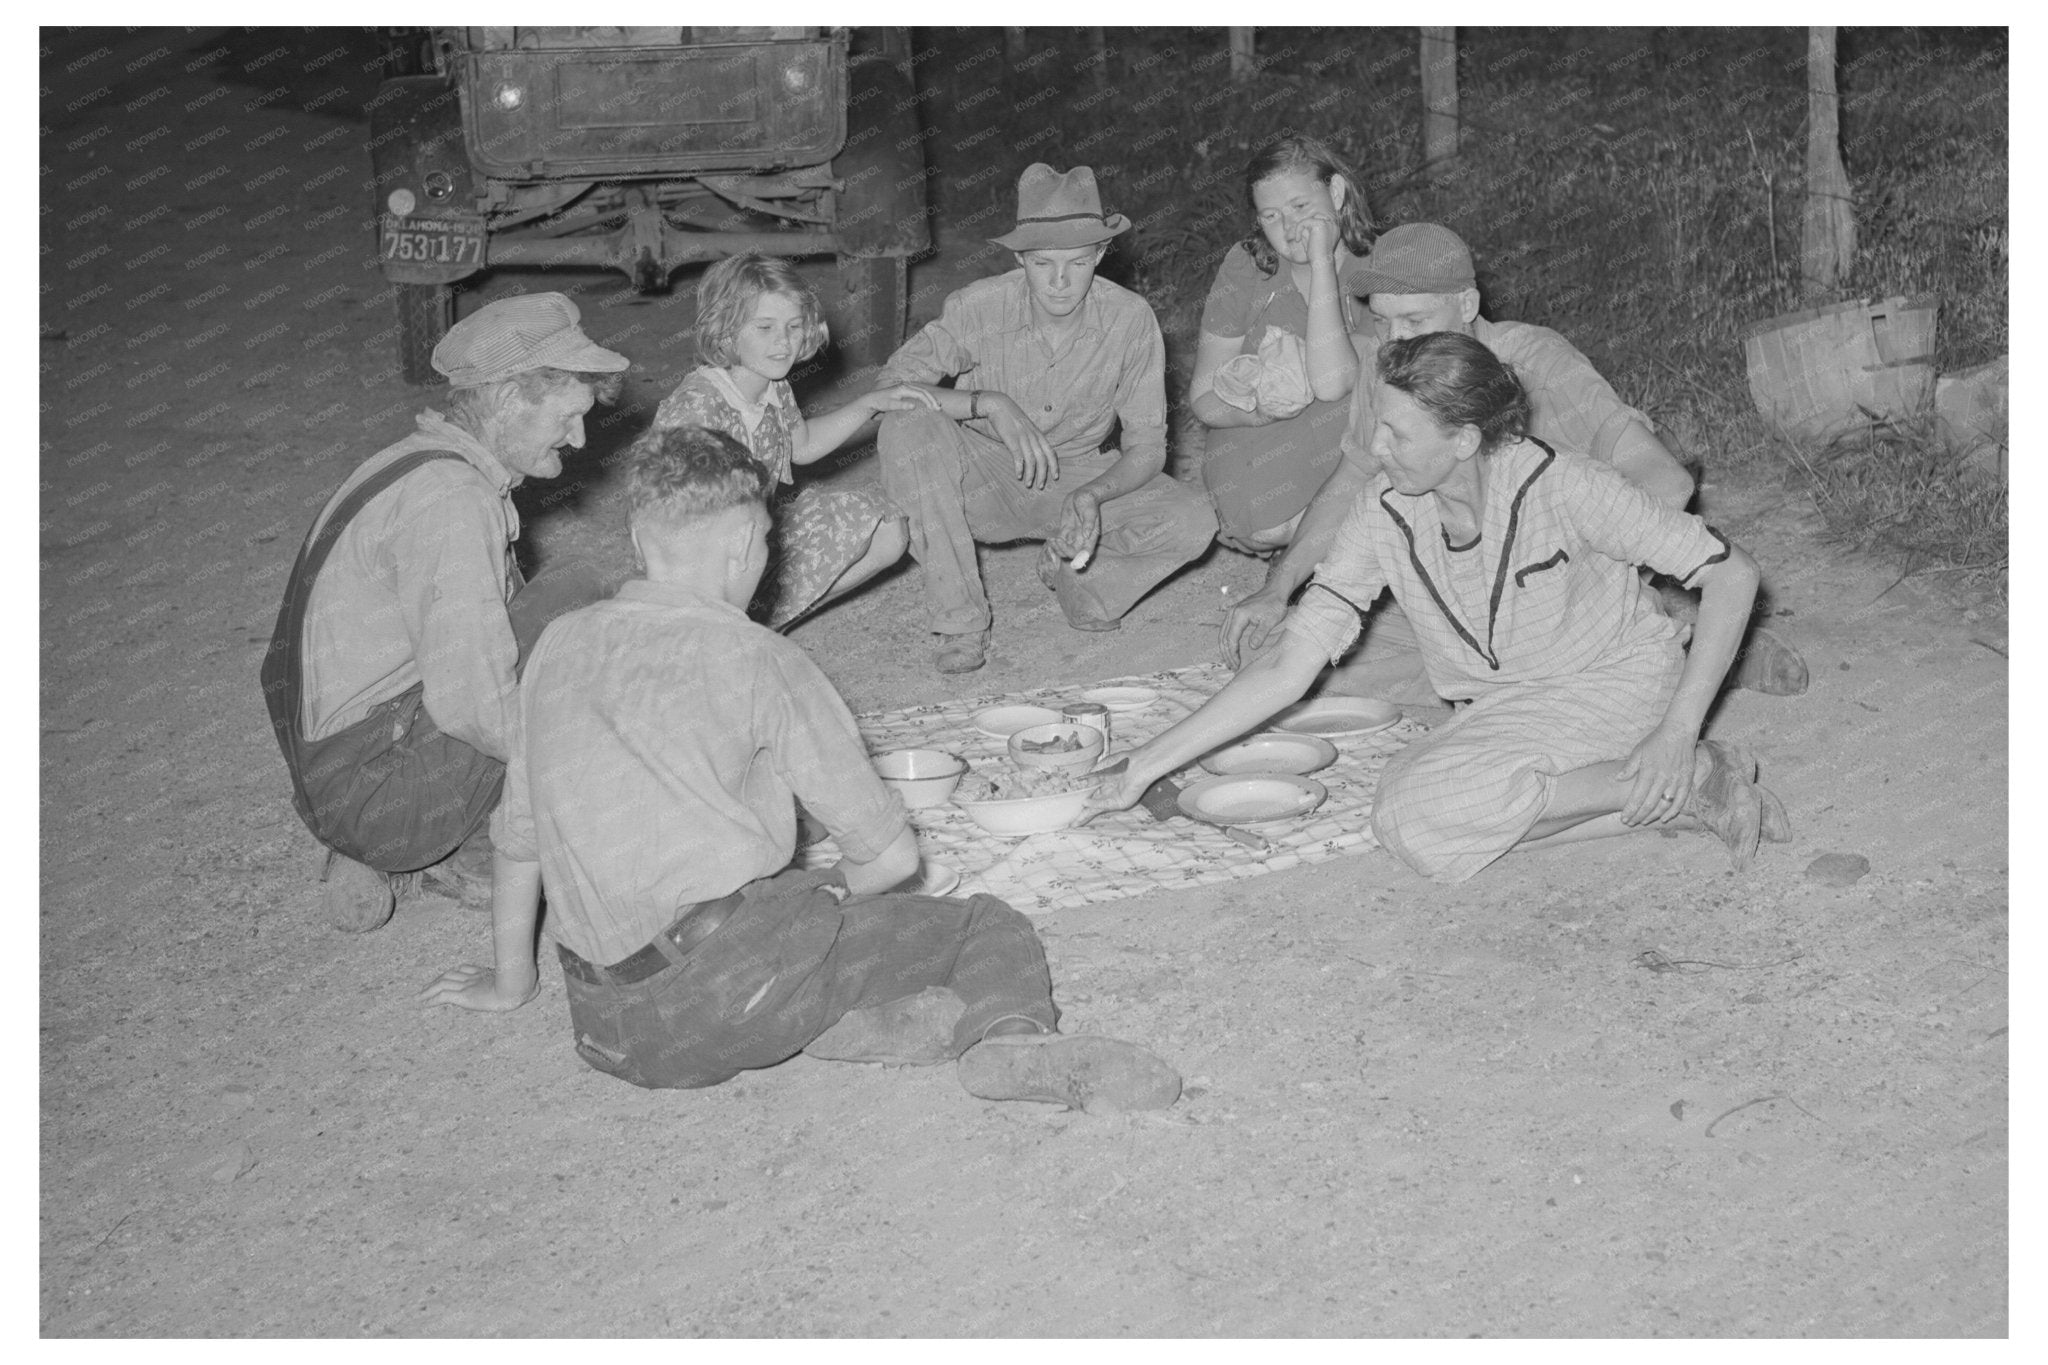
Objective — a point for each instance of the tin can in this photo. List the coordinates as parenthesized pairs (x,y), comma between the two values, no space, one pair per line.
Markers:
(1089,713)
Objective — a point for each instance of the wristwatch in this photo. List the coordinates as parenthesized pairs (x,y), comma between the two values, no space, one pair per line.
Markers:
(974,405)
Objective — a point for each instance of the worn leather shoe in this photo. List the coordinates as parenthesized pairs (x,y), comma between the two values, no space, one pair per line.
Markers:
(464,875)
(1776,825)
(1726,799)
(1079,1070)
(962,653)
(1769,664)
(355,897)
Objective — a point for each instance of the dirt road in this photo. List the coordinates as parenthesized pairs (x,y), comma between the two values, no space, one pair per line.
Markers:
(1412,1110)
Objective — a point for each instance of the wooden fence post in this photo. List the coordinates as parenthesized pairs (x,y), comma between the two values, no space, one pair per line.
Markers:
(1244,61)
(1439,99)
(1827,238)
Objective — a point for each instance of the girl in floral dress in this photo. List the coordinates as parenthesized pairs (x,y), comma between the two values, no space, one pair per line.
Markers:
(756,318)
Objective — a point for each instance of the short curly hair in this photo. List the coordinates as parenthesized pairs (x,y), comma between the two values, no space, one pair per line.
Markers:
(725,300)
(680,474)
(1459,382)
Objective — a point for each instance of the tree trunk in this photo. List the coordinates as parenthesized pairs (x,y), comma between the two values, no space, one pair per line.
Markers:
(1244,62)
(1827,240)
(1439,99)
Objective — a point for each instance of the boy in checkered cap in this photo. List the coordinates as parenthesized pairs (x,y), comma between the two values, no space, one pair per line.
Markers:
(390,678)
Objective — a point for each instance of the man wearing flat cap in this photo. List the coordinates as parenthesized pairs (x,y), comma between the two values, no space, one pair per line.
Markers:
(390,678)
(1419,279)
(1046,360)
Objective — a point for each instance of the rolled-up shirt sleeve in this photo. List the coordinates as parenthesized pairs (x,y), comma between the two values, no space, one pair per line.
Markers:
(1623,522)
(813,739)
(1327,614)
(448,563)
(939,349)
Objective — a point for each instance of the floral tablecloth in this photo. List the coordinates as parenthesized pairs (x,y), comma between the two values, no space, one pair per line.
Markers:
(1125,853)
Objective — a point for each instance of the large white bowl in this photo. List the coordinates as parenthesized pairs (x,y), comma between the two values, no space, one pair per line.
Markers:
(1020,815)
(1073,761)
(922,777)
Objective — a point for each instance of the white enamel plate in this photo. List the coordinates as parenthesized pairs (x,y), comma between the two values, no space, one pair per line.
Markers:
(1121,698)
(1247,800)
(1000,722)
(1337,716)
(939,878)
(1272,753)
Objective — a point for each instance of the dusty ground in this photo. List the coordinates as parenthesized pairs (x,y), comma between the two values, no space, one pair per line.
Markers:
(1411,1110)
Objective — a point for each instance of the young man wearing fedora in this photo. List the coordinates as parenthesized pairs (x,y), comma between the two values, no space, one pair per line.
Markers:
(390,677)
(1045,360)
(1418,279)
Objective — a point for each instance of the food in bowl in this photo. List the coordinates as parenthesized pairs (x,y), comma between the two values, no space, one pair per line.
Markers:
(922,777)
(1063,747)
(1019,801)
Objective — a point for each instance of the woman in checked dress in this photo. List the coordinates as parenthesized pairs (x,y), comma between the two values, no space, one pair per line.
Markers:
(1517,565)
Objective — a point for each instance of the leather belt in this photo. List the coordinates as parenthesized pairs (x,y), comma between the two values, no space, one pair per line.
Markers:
(691,928)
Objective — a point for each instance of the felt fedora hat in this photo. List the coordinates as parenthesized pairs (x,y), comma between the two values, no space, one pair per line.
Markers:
(1059,209)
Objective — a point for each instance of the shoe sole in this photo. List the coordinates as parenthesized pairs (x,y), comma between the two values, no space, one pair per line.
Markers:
(1736,817)
(1078,1070)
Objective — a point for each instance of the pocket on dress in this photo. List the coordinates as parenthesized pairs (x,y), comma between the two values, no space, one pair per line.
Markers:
(1528,571)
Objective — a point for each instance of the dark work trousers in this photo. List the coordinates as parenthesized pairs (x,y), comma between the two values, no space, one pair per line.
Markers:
(788,962)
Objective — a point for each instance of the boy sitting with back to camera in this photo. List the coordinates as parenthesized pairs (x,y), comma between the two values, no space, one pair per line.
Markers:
(661,742)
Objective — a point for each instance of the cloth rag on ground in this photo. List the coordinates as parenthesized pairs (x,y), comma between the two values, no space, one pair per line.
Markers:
(1122,853)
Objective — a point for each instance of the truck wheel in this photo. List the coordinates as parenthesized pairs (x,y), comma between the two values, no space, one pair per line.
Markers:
(425,313)
(867,323)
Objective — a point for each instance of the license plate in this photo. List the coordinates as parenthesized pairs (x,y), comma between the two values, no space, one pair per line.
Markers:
(427,241)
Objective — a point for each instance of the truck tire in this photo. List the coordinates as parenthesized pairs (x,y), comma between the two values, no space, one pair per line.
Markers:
(425,313)
(867,321)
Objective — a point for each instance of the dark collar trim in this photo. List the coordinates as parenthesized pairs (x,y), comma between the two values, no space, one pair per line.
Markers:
(1507,544)
(1500,577)
(1429,583)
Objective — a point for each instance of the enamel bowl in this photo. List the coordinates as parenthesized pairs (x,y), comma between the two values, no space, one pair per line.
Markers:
(1072,761)
(1021,815)
(922,777)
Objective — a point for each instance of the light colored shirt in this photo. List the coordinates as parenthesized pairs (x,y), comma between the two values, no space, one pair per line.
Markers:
(661,741)
(1571,406)
(1548,589)
(414,591)
(1111,368)
(771,429)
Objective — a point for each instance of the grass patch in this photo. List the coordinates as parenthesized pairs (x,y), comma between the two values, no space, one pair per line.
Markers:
(1902,490)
